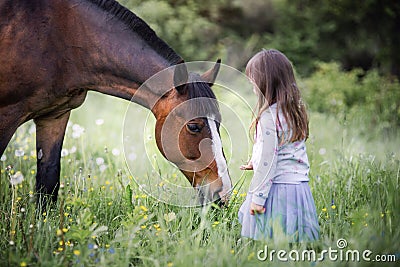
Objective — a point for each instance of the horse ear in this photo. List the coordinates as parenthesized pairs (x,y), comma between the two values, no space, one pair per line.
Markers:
(210,75)
(180,78)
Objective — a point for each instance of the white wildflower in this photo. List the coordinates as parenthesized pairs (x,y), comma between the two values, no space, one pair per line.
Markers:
(64,152)
(115,152)
(72,150)
(99,161)
(102,168)
(77,131)
(32,129)
(16,178)
(322,151)
(19,153)
(169,217)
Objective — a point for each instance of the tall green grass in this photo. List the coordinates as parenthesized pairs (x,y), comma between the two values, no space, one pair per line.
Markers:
(102,218)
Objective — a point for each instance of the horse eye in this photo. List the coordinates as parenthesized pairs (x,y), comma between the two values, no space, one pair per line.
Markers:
(193,127)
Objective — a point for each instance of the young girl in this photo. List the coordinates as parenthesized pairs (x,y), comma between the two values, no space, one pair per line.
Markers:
(279,200)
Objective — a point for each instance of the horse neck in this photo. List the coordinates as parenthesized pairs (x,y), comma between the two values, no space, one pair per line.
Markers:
(115,58)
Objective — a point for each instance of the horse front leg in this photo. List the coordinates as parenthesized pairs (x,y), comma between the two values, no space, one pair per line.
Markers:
(49,139)
(5,136)
(10,119)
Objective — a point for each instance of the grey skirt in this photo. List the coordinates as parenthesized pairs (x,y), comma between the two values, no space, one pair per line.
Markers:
(289,213)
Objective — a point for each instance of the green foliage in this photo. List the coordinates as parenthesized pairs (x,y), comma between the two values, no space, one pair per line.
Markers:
(355,95)
(363,35)
(180,25)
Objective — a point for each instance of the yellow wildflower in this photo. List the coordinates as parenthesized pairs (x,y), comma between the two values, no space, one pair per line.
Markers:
(251,256)
(143,208)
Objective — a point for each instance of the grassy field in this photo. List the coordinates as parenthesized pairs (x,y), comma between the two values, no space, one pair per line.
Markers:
(103,218)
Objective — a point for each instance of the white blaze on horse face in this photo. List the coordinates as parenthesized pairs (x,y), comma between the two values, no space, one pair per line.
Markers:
(219,158)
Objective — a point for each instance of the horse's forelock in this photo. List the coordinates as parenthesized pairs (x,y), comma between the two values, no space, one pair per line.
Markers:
(207,104)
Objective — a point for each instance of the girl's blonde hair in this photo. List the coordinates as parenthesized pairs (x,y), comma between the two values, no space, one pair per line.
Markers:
(272,74)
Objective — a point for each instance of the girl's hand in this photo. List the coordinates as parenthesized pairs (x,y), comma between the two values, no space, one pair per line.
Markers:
(256,209)
(246,167)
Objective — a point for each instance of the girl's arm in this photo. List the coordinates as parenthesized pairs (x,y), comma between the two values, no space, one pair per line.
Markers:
(263,175)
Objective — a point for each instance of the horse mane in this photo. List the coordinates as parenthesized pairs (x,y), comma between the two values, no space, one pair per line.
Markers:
(140,27)
(208,105)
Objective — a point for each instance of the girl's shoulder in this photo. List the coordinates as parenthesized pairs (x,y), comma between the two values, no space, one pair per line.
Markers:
(273,113)
(270,110)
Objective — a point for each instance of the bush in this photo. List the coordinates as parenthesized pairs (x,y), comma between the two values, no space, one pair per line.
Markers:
(354,94)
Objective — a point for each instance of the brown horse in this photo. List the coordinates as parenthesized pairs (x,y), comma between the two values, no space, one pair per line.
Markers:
(53,51)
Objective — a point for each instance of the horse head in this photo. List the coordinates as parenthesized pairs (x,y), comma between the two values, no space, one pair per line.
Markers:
(187,133)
